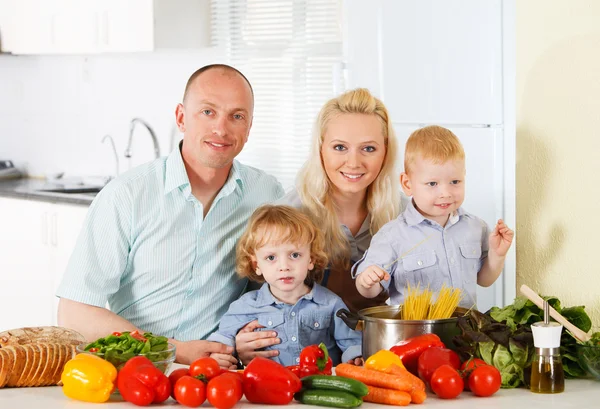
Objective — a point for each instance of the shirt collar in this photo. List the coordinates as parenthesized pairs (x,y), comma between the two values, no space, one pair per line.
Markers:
(413,217)
(176,176)
(317,294)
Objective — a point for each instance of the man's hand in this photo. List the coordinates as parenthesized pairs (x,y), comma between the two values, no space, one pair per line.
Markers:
(188,351)
(367,281)
(247,342)
(501,239)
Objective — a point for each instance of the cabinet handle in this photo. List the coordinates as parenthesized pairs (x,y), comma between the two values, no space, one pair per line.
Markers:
(54,227)
(45,228)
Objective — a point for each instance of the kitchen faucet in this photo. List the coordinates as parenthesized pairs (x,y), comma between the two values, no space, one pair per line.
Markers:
(114,149)
(134,121)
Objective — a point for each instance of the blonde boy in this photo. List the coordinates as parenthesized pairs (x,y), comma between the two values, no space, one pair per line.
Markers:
(434,241)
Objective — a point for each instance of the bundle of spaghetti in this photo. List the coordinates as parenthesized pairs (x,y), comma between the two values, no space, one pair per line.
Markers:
(445,304)
(416,303)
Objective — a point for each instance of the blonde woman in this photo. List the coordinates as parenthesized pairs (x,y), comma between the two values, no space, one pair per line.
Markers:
(349,188)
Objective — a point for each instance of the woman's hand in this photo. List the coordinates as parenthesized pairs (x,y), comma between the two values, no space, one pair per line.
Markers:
(247,341)
(366,282)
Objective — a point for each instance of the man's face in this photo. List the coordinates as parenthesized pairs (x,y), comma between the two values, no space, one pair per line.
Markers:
(215,118)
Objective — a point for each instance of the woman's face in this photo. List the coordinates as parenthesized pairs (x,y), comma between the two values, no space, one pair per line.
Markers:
(353,152)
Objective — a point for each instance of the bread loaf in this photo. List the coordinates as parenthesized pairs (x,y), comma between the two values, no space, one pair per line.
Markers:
(35,356)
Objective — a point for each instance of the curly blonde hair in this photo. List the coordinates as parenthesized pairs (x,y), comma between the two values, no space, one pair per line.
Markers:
(315,188)
(432,142)
(280,224)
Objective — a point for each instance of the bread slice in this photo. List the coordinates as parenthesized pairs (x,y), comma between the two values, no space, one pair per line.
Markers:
(20,359)
(7,362)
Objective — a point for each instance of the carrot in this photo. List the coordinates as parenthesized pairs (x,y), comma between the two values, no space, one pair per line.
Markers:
(387,396)
(373,378)
(417,394)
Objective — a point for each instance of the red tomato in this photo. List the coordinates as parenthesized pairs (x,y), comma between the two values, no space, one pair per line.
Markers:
(117,334)
(205,366)
(446,382)
(224,391)
(174,377)
(432,358)
(467,367)
(138,336)
(485,380)
(190,391)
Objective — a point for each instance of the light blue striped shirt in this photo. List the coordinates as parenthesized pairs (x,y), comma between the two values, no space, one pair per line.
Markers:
(310,321)
(148,250)
(416,250)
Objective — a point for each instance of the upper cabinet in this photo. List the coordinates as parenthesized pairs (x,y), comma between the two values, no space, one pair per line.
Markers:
(97,26)
(431,61)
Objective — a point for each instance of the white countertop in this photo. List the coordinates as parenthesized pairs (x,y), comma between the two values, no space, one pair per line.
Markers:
(579,393)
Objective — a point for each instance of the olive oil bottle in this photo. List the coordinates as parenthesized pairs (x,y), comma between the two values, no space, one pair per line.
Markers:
(547,375)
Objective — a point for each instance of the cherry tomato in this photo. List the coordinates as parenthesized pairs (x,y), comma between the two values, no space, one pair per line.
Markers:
(485,380)
(205,366)
(467,367)
(93,349)
(174,377)
(136,335)
(117,334)
(190,391)
(432,358)
(224,391)
(446,382)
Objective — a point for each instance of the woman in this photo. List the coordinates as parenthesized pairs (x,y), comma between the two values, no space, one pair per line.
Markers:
(349,188)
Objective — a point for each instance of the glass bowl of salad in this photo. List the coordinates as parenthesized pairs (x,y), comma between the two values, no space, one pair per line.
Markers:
(119,347)
(589,357)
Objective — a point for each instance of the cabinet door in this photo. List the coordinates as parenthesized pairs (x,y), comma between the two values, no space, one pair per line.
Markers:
(127,26)
(25,265)
(484,194)
(429,60)
(66,224)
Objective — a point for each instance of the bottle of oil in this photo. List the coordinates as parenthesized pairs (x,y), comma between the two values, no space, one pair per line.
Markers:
(547,375)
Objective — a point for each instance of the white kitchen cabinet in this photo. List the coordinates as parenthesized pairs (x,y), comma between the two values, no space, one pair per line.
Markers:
(97,26)
(36,241)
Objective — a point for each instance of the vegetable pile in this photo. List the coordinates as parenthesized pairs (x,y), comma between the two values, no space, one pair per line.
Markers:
(502,337)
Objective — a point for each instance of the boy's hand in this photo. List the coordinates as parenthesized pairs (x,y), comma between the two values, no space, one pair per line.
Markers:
(226,361)
(356,361)
(501,239)
(372,276)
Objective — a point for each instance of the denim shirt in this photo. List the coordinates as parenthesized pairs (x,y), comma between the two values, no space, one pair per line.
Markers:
(310,321)
(430,255)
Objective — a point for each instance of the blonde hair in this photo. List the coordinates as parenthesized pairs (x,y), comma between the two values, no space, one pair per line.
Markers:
(433,142)
(276,225)
(314,187)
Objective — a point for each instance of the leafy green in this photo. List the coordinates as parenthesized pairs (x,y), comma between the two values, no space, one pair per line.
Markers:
(119,349)
(503,337)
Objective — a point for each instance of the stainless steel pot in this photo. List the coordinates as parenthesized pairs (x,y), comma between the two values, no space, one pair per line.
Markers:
(381,330)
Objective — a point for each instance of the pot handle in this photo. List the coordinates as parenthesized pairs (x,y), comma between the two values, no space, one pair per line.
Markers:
(350,319)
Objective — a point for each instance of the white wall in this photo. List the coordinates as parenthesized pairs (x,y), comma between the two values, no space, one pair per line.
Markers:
(54,110)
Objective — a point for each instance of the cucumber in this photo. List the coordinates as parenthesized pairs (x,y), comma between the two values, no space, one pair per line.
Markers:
(333,399)
(335,383)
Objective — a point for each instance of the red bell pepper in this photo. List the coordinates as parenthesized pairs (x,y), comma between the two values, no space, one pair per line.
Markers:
(315,360)
(410,349)
(141,383)
(270,383)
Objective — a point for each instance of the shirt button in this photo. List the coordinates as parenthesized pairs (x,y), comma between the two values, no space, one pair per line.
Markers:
(294,339)
(474,252)
(420,262)
(451,261)
(293,313)
(270,322)
(316,325)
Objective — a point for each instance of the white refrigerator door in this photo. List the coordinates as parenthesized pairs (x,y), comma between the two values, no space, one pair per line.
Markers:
(484,186)
(429,60)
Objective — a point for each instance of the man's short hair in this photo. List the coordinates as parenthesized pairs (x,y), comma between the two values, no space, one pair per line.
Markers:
(223,67)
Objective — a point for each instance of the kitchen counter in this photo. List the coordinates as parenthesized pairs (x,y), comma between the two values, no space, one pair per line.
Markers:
(579,393)
(29,189)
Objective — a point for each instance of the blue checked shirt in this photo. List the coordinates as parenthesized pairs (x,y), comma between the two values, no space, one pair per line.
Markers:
(148,250)
(310,321)
(451,255)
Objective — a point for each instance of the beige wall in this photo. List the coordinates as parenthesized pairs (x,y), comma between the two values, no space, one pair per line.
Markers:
(558,150)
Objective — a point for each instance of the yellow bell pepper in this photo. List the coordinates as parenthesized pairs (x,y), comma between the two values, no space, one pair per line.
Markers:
(382,360)
(88,378)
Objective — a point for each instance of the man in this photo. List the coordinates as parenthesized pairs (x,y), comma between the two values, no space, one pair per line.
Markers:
(158,243)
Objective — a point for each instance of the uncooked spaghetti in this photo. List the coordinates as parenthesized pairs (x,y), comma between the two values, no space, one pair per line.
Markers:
(417,303)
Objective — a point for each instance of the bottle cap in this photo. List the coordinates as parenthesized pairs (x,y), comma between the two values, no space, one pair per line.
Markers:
(546,335)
